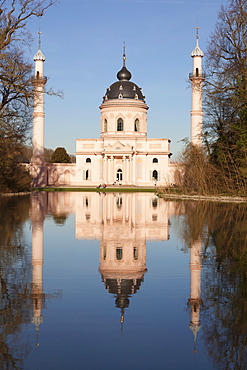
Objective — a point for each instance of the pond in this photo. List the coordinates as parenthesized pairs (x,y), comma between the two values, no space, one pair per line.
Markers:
(122,281)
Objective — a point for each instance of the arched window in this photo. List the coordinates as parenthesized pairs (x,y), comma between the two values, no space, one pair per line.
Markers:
(55,177)
(120,124)
(87,175)
(155,160)
(104,252)
(155,175)
(197,72)
(154,203)
(119,175)
(137,124)
(119,202)
(154,217)
(88,160)
(119,253)
(67,177)
(135,253)
(105,125)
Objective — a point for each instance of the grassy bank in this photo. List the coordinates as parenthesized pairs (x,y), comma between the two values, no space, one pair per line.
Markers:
(101,190)
(179,194)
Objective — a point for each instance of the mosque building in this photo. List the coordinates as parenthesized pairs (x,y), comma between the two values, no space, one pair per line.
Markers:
(123,154)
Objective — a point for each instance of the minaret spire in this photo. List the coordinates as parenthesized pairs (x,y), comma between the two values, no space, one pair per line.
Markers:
(196,78)
(39,41)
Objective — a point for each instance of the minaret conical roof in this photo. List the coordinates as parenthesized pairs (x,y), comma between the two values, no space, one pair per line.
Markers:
(197,52)
(39,55)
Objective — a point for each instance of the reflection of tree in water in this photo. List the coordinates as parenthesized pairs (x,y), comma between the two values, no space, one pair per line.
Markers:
(60,219)
(224,285)
(195,218)
(15,276)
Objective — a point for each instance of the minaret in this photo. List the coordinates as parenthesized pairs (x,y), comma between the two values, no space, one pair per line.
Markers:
(195,288)
(196,77)
(38,169)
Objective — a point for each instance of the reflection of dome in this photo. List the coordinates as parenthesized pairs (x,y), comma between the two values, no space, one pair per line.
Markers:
(122,290)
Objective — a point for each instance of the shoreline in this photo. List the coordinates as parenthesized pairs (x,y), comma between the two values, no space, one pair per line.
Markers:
(15,194)
(160,194)
(212,198)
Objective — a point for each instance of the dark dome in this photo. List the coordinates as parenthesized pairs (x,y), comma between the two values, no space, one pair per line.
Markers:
(124,74)
(124,89)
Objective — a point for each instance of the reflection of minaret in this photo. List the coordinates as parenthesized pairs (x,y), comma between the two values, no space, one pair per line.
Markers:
(195,287)
(122,251)
(39,206)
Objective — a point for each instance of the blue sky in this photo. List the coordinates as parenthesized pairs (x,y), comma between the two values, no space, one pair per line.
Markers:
(83,42)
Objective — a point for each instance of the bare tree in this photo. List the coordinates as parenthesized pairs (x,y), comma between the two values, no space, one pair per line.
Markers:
(16,86)
(14,15)
(225,101)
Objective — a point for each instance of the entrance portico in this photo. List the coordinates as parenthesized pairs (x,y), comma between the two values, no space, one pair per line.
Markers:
(117,168)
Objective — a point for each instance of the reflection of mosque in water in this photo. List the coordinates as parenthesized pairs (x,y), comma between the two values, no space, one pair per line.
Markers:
(123,223)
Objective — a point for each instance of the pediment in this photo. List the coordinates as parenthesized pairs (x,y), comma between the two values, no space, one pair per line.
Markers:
(118,147)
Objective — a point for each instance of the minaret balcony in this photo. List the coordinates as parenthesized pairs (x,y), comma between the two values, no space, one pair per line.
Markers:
(38,79)
(197,74)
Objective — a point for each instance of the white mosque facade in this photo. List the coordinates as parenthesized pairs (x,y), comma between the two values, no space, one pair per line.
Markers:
(122,154)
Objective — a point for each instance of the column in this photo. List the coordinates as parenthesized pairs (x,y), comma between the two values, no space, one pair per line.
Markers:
(127,170)
(134,169)
(109,170)
(124,170)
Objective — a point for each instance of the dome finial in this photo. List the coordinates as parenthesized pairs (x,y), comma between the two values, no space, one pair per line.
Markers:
(124,55)
(124,74)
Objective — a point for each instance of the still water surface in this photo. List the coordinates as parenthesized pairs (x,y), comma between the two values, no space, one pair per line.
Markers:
(122,281)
